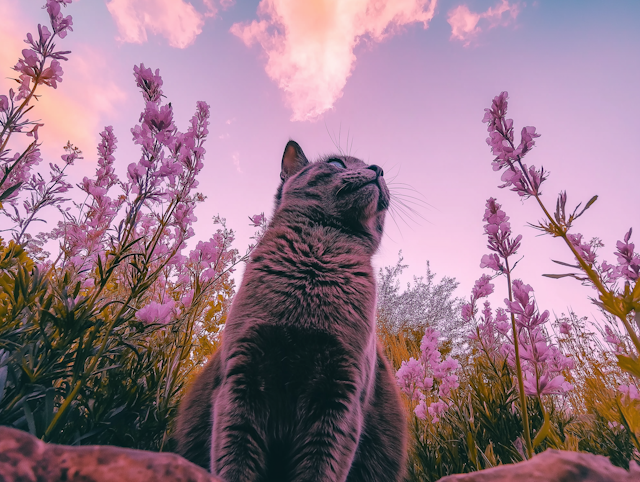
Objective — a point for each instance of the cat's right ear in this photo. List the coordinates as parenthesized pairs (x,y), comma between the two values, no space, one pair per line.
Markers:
(293,160)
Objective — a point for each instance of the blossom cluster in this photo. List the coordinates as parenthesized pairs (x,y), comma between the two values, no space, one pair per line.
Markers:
(39,65)
(523,179)
(542,362)
(149,215)
(418,379)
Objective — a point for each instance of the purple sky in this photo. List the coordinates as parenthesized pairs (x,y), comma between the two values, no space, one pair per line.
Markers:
(402,85)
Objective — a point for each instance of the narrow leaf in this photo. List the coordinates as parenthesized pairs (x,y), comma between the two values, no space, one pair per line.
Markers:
(29,416)
(10,191)
(544,431)
(558,276)
(629,364)
(48,405)
(566,264)
(3,380)
(591,201)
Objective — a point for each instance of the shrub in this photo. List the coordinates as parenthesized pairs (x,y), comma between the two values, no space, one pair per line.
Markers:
(97,343)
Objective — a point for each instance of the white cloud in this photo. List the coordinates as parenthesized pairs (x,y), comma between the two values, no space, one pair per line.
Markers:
(309,44)
(178,21)
(464,22)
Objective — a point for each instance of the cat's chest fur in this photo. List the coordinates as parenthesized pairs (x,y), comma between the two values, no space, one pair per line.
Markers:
(312,278)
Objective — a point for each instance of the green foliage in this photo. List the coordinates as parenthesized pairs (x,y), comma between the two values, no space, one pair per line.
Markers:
(77,367)
(483,427)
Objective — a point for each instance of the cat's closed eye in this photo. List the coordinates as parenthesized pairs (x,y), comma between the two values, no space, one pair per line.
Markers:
(337,163)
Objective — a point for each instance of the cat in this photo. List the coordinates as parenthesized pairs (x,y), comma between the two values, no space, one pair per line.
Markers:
(300,389)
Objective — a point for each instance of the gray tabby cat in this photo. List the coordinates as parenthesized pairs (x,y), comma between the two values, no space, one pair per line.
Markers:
(300,389)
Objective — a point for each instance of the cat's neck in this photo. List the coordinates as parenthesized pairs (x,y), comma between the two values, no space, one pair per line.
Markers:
(311,274)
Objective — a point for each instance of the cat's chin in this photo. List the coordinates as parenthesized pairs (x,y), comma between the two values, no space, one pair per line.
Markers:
(374,197)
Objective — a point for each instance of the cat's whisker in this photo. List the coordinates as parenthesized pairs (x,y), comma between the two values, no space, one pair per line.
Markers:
(409,209)
(408,200)
(405,210)
(411,199)
(398,213)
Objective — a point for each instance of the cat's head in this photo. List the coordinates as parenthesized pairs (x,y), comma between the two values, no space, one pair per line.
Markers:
(338,190)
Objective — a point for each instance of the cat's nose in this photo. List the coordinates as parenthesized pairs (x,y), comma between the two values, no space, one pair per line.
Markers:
(377,169)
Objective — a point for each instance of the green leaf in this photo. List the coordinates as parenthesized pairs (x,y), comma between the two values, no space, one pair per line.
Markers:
(566,264)
(9,191)
(558,276)
(48,405)
(629,364)
(29,416)
(544,431)
(591,201)
(3,380)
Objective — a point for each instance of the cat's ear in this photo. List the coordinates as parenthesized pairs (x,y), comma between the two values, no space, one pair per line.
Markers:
(293,160)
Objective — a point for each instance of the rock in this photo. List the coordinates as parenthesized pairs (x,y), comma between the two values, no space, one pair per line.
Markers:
(554,466)
(24,458)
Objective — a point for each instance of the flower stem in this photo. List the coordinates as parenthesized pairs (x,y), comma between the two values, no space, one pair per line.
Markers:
(523,397)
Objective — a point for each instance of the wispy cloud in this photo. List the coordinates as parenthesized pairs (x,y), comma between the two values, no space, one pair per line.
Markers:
(465,23)
(235,157)
(310,44)
(176,20)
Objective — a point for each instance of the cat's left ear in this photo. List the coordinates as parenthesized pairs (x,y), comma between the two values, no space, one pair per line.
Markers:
(293,160)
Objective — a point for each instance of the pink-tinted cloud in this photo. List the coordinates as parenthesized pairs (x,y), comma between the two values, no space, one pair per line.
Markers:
(310,44)
(213,6)
(464,22)
(178,21)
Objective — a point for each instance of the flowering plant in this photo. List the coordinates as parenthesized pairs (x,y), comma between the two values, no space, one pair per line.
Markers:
(97,342)
(524,342)
(623,302)
(418,379)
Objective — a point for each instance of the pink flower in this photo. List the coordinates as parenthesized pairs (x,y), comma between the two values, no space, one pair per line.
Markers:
(501,140)
(482,287)
(150,83)
(538,352)
(24,89)
(565,328)
(467,312)
(52,74)
(545,385)
(187,299)
(628,260)
(421,410)
(436,409)
(59,23)
(491,261)
(410,373)
(157,120)
(527,142)
(497,111)
(4,103)
(630,391)
(429,347)
(498,230)
(257,220)
(156,312)
(585,250)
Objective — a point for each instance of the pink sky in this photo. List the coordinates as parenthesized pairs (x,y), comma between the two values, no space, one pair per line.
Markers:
(401,84)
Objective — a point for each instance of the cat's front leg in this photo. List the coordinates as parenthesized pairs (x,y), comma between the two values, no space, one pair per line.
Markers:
(328,434)
(238,449)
